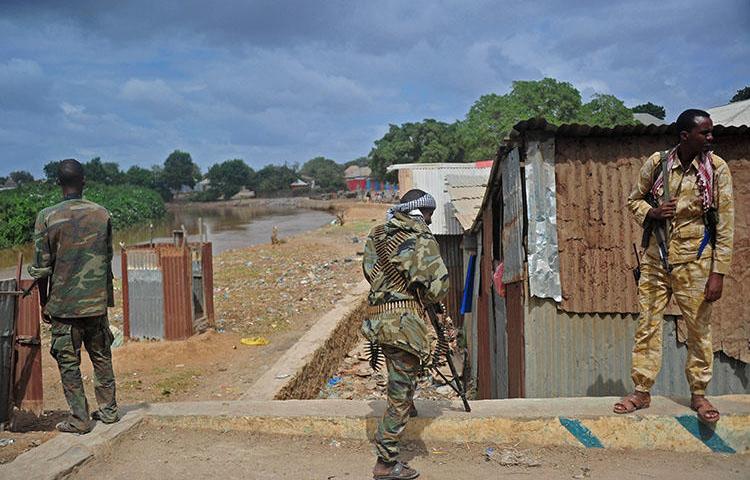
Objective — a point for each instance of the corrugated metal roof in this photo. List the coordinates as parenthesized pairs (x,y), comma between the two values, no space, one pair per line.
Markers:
(579,130)
(466,193)
(734,114)
(431,177)
(648,119)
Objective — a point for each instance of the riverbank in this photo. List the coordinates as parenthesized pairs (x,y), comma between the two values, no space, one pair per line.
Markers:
(273,291)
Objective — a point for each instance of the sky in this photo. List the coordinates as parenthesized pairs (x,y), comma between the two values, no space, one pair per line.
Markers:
(278,81)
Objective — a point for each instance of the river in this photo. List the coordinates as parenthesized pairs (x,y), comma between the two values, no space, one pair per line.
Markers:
(227,227)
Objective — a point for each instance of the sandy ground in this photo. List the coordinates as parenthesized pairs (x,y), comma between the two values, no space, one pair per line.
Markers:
(275,292)
(180,454)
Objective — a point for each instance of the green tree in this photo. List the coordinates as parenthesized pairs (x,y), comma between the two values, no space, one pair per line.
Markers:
(3,180)
(492,117)
(742,94)
(21,177)
(656,110)
(107,173)
(160,184)
(429,141)
(274,178)
(50,170)
(179,170)
(605,111)
(228,178)
(140,176)
(360,162)
(328,174)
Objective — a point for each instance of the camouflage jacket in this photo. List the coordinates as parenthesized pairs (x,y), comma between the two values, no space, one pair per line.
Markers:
(417,259)
(73,247)
(686,228)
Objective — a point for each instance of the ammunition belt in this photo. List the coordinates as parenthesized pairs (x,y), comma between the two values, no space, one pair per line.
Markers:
(410,305)
(385,249)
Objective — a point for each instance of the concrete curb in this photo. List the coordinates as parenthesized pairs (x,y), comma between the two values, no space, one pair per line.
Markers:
(583,422)
(58,457)
(303,369)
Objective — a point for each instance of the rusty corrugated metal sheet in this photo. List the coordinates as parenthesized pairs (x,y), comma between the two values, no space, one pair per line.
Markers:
(516,332)
(513,219)
(28,391)
(579,130)
(7,321)
(178,301)
(574,355)
(208,281)
(450,250)
(484,303)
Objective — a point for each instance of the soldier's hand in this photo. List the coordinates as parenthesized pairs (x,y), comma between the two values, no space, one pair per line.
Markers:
(664,211)
(714,286)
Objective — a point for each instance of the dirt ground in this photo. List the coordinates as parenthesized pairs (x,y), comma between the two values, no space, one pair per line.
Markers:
(230,455)
(272,291)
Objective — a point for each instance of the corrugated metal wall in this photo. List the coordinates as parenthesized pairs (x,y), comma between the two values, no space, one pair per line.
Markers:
(573,355)
(7,320)
(145,293)
(207,262)
(450,250)
(178,298)
(28,391)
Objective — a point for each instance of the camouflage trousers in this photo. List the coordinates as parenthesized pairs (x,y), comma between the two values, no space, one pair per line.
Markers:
(67,337)
(403,369)
(686,282)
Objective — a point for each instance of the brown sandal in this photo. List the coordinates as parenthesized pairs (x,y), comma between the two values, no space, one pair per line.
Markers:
(707,413)
(399,471)
(631,403)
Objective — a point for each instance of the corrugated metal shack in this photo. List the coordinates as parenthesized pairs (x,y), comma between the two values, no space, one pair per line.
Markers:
(167,290)
(437,179)
(555,216)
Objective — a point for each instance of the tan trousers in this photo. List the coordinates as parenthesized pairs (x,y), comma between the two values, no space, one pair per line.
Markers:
(686,282)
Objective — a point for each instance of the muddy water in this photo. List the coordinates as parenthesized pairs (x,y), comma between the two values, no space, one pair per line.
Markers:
(227,227)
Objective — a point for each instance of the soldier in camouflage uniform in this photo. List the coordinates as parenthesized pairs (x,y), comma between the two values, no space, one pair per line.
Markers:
(72,263)
(401,260)
(698,259)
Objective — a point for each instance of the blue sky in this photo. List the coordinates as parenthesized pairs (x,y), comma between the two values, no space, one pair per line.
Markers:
(283,81)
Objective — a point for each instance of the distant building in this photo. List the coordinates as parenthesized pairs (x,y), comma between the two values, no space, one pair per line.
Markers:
(648,119)
(298,185)
(733,115)
(243,194)
(202,186)
(357,178)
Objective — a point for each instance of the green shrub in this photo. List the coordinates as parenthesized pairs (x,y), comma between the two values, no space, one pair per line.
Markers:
(127,205)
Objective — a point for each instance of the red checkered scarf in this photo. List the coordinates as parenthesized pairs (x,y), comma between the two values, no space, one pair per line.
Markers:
(705,178)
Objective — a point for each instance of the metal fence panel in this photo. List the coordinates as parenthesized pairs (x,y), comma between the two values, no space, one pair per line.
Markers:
(512,233)
(28,388)
(145,295)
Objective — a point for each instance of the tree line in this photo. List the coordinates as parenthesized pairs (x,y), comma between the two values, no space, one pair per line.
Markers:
(476,137)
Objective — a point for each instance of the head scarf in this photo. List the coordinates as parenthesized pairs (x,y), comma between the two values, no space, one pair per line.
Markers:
(705,178)
(412,208)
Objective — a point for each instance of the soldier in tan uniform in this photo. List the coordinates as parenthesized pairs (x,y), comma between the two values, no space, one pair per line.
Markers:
(72,265)
(403,265)
(697,222)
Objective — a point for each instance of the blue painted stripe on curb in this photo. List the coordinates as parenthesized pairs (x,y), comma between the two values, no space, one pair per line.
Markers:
(705,434)
(582,434)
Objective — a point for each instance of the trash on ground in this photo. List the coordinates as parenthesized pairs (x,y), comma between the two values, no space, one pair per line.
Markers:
(119,338)
(511,457)
(280,376)
(585,473)
(255,341)
(333,381)
(4,442)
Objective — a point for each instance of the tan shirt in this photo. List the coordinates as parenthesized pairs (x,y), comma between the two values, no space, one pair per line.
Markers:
(686,227)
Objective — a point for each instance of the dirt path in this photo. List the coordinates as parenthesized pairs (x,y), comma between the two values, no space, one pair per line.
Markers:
(272,291)
(151,451)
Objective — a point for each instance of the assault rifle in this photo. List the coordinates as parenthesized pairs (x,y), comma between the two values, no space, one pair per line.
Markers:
(443,356)
(658,227)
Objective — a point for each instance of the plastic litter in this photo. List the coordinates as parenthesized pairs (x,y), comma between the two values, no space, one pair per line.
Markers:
(333,381)
(255,341)
(4,442)
(119,338)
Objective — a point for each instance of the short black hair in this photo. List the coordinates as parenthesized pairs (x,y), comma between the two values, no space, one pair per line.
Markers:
(412,195)
(688,119)
(70,173)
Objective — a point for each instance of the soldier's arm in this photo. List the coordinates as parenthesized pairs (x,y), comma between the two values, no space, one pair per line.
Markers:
(637,203)
(43,262)
(423,267)
(369,259)
(725,226)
